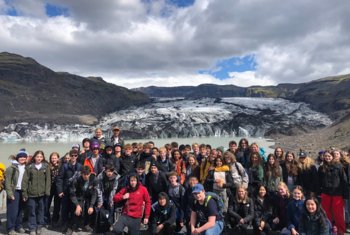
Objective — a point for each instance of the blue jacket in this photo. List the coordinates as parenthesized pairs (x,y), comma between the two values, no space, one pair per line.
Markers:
(294,211)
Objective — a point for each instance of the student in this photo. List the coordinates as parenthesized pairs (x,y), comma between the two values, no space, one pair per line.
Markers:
(205,216)
(255,173)
(243,152)
(54,166)
(238,173)
(107,182)
(156,182)
(294,211)
(313,220)
(290,170)
(272,174)
(134,195)
(116,139)
(176,194)
(127,161)
(307,175)
(36,185)
(163,214)
(191,168)
(206,165)
(241,211)
(108,158)
(13,187)
(95,161)
(263,210)
(99,137)
(334,189)
(85,151)
(281,201)
(188,202)
(164,162)
(68,171)
(83,193)
(178,163)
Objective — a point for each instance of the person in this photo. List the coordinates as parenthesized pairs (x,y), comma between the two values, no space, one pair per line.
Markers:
(164,162)
(2,176)
(156,182)
(238,173)
(54,166)
(13,187)
(294,211)
(116,139)
(281,201)
(176,194)
(85,151)
(178,164)
(272,174)
(289,170)
(243,152)
(191,168)
(188,201)
(36,185)
(241,211)
(108,158)
(307,175)
(207,164)
(95,161)
(83,194)
(232,146)
(263,210)
(205,216)
(107,185)
(313,220)
(163,214)
(255,173)
(68,171)
(279,155)
(334,189)
(135,196)
(127,160)
(99,137)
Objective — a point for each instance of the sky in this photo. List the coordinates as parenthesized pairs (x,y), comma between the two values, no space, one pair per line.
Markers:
(139,43)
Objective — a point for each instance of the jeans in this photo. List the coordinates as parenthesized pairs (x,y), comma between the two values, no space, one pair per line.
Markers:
(216,230)
(14,212)
(133,225)
(36,210)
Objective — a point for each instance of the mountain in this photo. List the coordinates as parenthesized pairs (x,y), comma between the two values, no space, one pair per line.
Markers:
(30,92)
(329,95)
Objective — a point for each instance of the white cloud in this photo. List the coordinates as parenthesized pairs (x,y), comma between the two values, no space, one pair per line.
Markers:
(133,43)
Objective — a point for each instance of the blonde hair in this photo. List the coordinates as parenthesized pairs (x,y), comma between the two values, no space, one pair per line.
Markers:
(245,199)
(307,164)
(282,184)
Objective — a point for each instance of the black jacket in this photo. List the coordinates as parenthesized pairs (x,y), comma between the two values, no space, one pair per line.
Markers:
(81,195)
(65,174)
(333,180)
(165,215)
(111,159)
(154,187)
(127,164)
(309,180)
(263,211)
(240,210)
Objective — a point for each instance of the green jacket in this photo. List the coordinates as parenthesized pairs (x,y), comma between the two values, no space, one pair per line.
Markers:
(11,178)
(36,183)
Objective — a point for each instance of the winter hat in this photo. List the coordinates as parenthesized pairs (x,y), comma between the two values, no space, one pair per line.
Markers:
(77,146)
(22,153)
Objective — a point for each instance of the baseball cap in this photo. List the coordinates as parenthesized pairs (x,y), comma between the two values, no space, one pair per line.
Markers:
(197,188)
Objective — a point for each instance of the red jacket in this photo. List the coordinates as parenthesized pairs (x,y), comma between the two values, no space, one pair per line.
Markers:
(134,204)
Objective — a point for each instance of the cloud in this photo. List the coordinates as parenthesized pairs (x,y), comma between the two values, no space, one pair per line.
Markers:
(137,43)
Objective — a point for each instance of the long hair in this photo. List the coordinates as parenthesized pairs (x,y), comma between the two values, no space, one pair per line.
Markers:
(306,165)
(255,155)
(319,211)
(292,167)
(246,198)
(231,156)
(240,143)
(283,185)
(272,170)
(37,153)
(282,156)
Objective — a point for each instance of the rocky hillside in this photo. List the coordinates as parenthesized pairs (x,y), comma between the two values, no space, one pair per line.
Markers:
(33,93)
(330,95)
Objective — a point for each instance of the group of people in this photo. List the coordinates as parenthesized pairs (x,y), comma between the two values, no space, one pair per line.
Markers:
(193,189)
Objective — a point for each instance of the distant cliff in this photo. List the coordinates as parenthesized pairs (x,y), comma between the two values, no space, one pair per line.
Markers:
(33,93)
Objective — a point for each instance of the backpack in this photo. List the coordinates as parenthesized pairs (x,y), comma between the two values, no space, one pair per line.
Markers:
(217,199)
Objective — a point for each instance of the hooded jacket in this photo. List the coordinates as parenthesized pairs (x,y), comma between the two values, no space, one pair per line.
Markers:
(107,187)
(36,183)
(165,215)
(11,176)
(137,197)
(79,194)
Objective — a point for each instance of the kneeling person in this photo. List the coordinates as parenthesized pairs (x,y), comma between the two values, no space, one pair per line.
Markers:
(163,216)
(205,216)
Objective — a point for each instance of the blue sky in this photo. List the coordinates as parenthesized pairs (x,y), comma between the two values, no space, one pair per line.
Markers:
(135,43)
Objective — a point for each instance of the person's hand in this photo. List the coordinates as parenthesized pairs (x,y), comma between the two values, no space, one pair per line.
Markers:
(195,232)
(145,221)
(25,199)
(181,224)
(160,227)
(262,225)
(126,196)
(78,210)
(12,198)
(241,221)
(294,232)
(61,195)
(99,205)
(91,210)
(276,220)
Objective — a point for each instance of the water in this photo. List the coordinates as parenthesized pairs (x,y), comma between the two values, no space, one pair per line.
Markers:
(6,149)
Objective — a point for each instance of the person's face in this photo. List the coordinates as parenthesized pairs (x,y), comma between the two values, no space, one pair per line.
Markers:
(22,160)
(162,154)
(86,177)
(155,152)
(271,161)
(289,157)
(173,180)
(95,151)
(336,155)
(116,132)
(98,133)
(255,149)
(192,181)
(38,158)
(218,162)
(86,145)
(282,191)
(187,151)
(191,161)
(128,151)
(154,169)
(244,144)
(199,196)
(262,192)
(67,157)
(233,147)
(204,151)
(73,157)
(133,182)
(227,159)
(135,149)
(177,155)
(241,193)
(311,206)
(140,170)
(147,150)
(109,150)
(297,194)
(117,149)
(162,201)
(195,148)
(109,173)
(54,159)
(328,157)
(278,152)
(254,159)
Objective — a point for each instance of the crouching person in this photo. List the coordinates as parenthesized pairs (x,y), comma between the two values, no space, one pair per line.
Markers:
(205,216)
(163,216)
(134,196)
(83,193)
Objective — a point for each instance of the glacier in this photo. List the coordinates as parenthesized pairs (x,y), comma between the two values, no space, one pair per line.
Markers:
(179,117)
